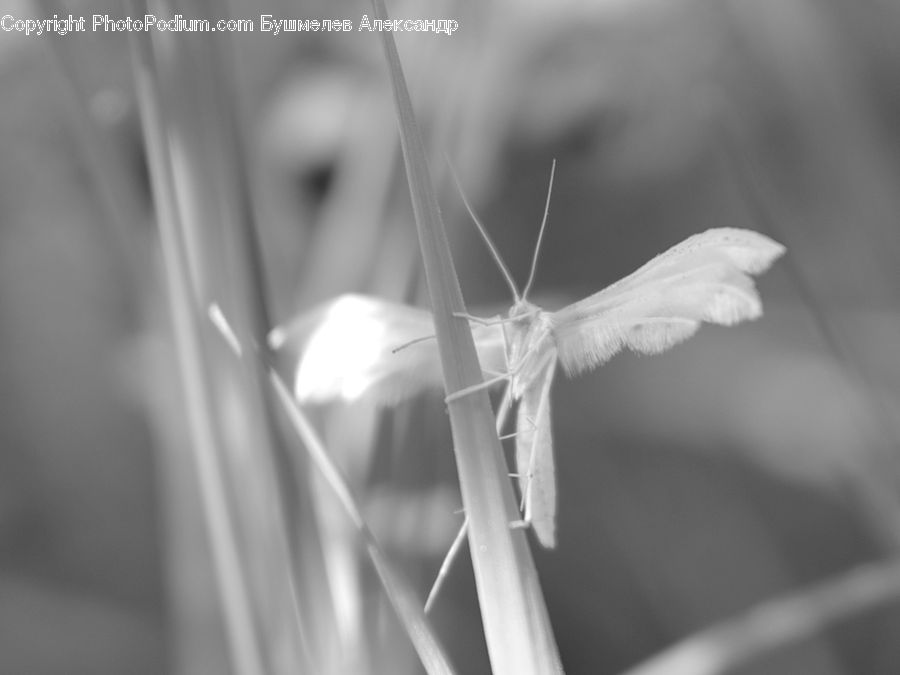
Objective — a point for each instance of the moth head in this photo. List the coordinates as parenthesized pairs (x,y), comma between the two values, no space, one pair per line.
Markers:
(525,331)
(522,311)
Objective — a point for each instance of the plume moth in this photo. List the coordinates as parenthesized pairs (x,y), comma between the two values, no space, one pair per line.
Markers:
(355,346)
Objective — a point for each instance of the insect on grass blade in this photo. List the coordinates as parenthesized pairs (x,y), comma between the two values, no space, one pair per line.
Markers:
(347,348)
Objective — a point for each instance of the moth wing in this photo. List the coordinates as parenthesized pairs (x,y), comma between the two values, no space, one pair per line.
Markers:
(344,350)
(534,457)
(745,250)
(706,278)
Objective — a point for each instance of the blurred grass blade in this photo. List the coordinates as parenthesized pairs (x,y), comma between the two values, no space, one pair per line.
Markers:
(777,623)
(118,194)
(243,641)
(301,608)
(404,601)
(516,625)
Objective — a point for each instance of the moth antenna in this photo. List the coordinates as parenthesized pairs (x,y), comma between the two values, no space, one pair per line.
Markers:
(484,235)
(540,239)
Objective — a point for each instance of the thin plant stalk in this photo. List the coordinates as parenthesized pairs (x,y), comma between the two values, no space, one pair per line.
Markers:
(459,539)
(777,623)
(514,615)
(307,623)
(243,638)
(397,590)
(117,193)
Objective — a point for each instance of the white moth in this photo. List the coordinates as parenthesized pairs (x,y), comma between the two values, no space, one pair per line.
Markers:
(347,348)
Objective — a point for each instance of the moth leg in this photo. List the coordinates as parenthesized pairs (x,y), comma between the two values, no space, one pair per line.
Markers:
(481,321)
(465,391)
(514,434)
(445,565)
(413,342)
(494,321)
(502,377)
(502,413)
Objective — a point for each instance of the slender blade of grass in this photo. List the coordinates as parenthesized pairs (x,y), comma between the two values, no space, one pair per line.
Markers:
(402,598)
(774,624)
(307,625)
(514,615)
(246,654)
(116,191)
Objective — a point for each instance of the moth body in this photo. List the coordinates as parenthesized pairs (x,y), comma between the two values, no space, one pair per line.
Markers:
(356,346)
(528,339)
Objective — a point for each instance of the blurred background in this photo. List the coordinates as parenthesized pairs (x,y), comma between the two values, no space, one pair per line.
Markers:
(745,464)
